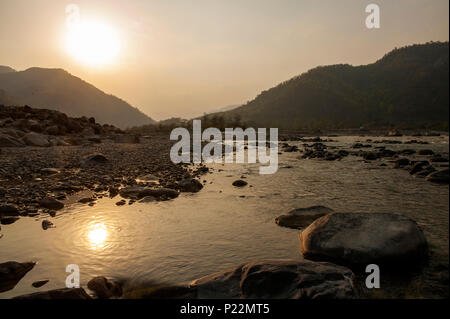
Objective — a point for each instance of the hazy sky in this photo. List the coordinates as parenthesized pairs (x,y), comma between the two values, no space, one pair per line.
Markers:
(186,57)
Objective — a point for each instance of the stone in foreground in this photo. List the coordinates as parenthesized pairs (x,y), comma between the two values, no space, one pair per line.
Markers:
(302,217)
(11,272)
(278,279)
(364,238)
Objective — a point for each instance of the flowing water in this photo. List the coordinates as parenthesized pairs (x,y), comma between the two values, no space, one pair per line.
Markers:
(173,242)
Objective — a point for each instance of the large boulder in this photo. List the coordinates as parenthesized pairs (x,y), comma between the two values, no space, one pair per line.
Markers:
(63,293)
(36,139)
(364,238)
(11,272)
(278,279)
(302,217)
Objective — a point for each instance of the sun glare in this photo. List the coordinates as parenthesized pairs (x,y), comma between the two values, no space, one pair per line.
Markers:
(97,235)
(92,43)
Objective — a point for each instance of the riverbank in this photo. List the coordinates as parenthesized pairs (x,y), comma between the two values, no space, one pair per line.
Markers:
(172,242)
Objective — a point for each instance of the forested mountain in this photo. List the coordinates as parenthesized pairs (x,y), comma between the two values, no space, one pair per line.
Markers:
(59,90)
(407,87)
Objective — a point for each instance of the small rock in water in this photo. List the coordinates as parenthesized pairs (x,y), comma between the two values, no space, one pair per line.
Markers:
(51,203)
(121,202)
(104,288)
(39,283)
(7,220)
(190,185)
(239,183)
(46,224)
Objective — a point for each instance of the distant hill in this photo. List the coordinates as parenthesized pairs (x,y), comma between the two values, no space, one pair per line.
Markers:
(407,87)
(59,90)
(6,69)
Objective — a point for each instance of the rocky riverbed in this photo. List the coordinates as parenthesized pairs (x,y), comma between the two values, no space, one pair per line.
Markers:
(159,230)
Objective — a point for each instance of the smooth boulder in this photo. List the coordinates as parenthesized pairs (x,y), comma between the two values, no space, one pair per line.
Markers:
(278,279)
(302,217)
(364,238)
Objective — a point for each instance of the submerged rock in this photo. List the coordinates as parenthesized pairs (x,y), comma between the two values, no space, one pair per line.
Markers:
(11,272)
(278,279)
(364,238)
(302,217)
(239,183)
(63,293)
(104,288)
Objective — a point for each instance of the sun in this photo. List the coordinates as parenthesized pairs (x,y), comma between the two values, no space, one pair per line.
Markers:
(94,44)
(97,235)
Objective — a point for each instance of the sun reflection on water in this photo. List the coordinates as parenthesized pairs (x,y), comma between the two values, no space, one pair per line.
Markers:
(97,235)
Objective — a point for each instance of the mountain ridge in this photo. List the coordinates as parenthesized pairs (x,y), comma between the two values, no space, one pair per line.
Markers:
(407,86)
(57,89)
